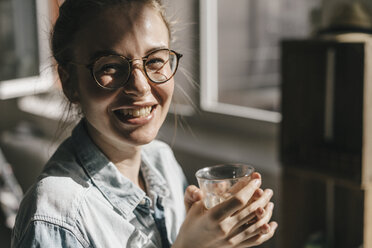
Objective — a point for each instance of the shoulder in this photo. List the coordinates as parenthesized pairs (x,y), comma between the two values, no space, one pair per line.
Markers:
(61,184)
(56,196)
(45,234)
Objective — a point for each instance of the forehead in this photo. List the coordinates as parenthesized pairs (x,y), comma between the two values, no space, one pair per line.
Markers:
(131,30)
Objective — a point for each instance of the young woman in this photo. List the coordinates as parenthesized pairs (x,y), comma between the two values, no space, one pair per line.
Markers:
(111,184)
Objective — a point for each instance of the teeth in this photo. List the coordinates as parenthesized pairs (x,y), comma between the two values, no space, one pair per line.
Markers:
(141,112)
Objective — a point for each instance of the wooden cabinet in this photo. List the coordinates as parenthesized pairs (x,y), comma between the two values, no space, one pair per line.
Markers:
(326,141)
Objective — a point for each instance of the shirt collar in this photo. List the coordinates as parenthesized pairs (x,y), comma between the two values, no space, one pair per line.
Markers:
(122,193)
(118,190)
(156,185)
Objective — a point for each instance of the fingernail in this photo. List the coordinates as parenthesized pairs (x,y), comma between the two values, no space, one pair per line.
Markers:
(258,175)
(266,228)
(194,194)
(275,225)
(260,211)
(257,182)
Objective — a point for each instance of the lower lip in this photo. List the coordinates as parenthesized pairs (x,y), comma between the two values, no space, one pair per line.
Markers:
(142,120)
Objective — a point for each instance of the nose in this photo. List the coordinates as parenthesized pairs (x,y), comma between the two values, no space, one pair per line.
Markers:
(138,84)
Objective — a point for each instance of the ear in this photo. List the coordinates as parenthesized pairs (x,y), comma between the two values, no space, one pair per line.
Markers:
(68,86)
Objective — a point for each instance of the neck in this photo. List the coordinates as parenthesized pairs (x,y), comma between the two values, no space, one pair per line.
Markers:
(126,158)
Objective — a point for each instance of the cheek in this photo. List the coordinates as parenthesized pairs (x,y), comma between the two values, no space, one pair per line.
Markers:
(92,98)
(89,87)
(165,92)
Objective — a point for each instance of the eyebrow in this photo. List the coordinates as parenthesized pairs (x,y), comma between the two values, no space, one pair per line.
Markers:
(101,53)
(156,48)
(108,52)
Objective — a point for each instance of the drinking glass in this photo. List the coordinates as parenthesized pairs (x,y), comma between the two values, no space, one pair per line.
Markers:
(217,181)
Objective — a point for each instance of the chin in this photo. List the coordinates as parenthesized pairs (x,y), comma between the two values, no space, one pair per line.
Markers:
(139,139)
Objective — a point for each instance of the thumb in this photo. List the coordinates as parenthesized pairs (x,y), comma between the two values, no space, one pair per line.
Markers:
(192,195)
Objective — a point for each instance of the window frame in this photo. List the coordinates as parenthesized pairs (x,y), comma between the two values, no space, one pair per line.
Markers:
(209,72)
(43,82)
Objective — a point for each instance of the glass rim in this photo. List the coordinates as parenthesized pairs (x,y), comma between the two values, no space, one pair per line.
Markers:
(250,168)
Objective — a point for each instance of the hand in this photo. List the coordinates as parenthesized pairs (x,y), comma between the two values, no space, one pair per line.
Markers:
(192,194)
(240,221)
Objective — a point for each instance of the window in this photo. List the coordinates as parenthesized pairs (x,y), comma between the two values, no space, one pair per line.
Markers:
(25,66)
(240,53)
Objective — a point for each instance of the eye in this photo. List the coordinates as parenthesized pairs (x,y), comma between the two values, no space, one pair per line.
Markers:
(155,63)
(110,69)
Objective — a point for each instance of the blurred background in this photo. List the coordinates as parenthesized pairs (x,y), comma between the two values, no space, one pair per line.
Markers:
(283,85)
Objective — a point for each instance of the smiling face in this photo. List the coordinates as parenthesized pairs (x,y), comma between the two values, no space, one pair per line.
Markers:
(131,115)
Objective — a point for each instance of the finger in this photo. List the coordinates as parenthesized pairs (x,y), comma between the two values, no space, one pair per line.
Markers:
(232,225)
(243,233)
(255,175)
(192,195)
(253,205)
(262,201)
(196,210)
(257,195)
(260,212)
(259,238)
(269,211)
(235,202)
(265,228)
(243,182)
(244,215)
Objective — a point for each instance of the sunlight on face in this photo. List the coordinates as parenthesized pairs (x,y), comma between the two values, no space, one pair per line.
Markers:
(131,115)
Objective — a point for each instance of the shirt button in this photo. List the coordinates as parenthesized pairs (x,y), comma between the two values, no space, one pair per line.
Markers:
(143,201)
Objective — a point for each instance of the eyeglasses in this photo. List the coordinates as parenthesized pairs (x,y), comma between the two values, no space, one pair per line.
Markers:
(113,71)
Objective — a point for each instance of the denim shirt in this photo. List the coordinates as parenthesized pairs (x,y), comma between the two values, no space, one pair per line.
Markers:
(82,200)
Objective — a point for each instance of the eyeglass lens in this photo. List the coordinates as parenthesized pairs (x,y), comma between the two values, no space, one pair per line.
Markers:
(114,71)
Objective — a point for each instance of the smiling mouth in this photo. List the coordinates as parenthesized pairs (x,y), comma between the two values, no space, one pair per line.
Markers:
(134,113)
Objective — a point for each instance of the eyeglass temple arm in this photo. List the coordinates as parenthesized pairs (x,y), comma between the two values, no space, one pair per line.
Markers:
(162,66)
